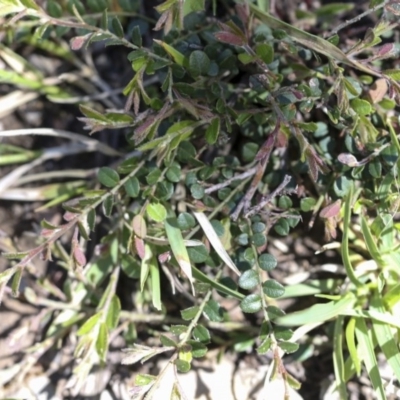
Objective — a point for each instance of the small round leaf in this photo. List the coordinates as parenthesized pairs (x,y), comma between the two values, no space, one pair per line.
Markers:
(132,186)
(156,212)
(173,173)
(248,280)
(251,303)
(108,177)
(185,221)
(201,334)
(288,347)
(307,204)
(199,63)
(259,239)
(197,254)
(282,227)
(197,191)
(273,289)
(267,262)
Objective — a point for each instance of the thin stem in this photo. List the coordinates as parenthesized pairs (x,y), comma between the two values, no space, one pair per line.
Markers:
(357,18)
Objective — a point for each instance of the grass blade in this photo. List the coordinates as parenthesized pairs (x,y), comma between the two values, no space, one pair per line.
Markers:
(367,354)
(215,241)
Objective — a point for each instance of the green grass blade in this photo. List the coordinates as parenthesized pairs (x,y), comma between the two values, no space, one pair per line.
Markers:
(178,247)
(370,242)
(338,362)
(155,284)
(197,274)
(351,344)
(215,241)
(311,287)
(313,42)
(385,338)
(318,312)
(345,241)
(367,354)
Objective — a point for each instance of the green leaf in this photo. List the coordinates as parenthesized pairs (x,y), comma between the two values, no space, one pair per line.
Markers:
(392,73)
(285,202)
(113,312)
(351,345)
(156,211)
(108,177)
(249,151)
(267,262)
(190,6)
(338,362)
(288,347)
(108,205)
(213,131)
(248,280)
(266,52)
(259,239)
(132,187)
(361,107)
(186,221)
(136,36)
(199,63)
(273,289)
(178,247)
(201,334)
(213,311)
(102,341)
(117,27)
(177,56)
(282,333)
(173,173)
(168,342)
(189,313)
(307,204)
(198,254)
(198,349)
(89,324)
(182,365)
(197,191)
(178,329)
(54,9)
(251,303)
(342,186)
(92,114)
(282,227)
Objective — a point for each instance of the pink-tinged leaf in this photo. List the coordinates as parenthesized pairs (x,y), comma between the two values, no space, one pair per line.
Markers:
(243,13)
(77,42)
(139,247)
(348,159)
(330,229)
(386,49)
(45,255)
(298,94)
(313,168)
(164,257)
(79,256)
(136,102)
(139,226)
(332,210)
(394,8)
(69,216)
(378,90)
(281,139)
(46,233)
(229,38)
(142,130)
(269,144)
